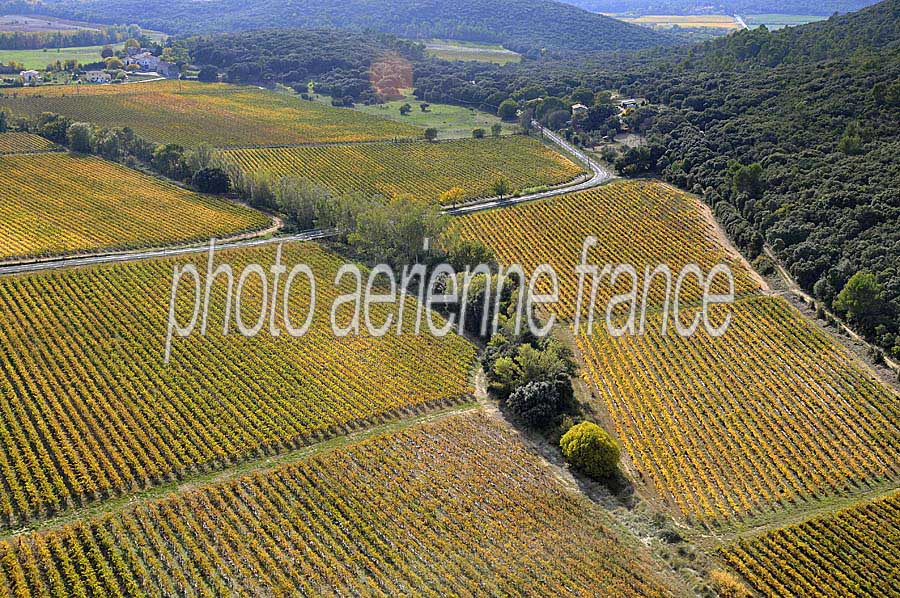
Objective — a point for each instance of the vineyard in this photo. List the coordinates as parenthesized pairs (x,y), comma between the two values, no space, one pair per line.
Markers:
(17,143)
(219,115)
(849,553)
(89,410)
(58,203)
(639,223)
(424,169)
(770,415)
(454,508)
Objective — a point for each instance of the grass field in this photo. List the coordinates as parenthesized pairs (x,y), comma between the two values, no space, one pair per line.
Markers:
(470,52)
(638,223)
(849,553)
(458,507)
(451,121)
(90,409)
(776,21)
(60,203)
(39,59)
(423,169)
(771,415)
(17,143)
(191,113)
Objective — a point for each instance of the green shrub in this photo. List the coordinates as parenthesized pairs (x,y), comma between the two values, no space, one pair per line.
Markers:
(590,449)
(536,403)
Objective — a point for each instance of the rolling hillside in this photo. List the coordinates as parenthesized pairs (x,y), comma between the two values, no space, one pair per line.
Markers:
(679,7)
(526,26)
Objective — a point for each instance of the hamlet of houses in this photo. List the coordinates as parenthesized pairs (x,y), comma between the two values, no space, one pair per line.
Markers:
(147,62)
(139,60)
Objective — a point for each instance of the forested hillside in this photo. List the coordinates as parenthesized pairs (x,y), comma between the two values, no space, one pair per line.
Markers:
(871,29)
(804,158)
(678,7)
(800,156)
(525,26)
(338,61)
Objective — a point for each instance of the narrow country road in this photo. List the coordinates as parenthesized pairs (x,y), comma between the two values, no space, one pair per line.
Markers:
(308,235)
(599,175)
(741,22)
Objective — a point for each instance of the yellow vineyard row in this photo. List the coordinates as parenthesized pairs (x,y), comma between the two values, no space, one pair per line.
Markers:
(423,169)
(57,203)
(89,409)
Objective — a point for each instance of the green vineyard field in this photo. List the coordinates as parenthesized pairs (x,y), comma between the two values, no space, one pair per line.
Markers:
(88,409)
(59,203)
(190,113)
(423,169)
(457,507)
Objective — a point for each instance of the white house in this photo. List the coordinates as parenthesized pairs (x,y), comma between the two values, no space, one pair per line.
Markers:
(30,77)
(98,76)
(145,60)
(579,110)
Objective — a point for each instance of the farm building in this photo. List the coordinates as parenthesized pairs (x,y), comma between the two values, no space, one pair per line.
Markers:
(30,76)
(97,77)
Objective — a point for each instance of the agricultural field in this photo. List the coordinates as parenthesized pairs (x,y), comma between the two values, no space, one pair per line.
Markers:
(423,169)
(59,203)
(771,415)
(19,143)
(777,21)
(641,223)
(39,59)
(723,22)
(452,122)
(470,52)
(41,24)
(852,552)
(90,409)
(458,507)
(220,115)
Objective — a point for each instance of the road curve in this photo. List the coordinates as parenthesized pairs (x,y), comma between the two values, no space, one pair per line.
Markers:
(599,176)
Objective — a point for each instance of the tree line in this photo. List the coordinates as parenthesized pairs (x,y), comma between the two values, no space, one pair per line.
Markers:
(38,40)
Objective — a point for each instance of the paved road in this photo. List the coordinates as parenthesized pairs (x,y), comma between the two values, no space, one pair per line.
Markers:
(741,22)
(599,176)
(309,235)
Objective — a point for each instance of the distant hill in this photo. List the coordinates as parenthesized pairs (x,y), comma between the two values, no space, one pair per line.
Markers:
(525,26)
(728,7)
(874,28)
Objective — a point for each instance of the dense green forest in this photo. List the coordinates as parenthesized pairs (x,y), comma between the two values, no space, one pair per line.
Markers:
(871,29)
(525,26)
(801,156)
(728,7)
(19,40)
(337,61)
